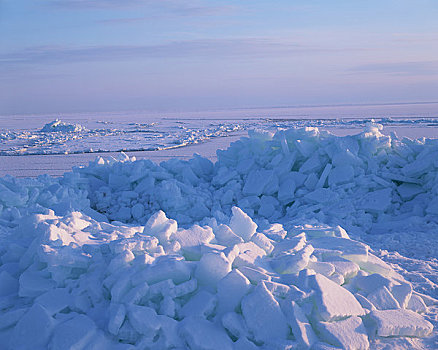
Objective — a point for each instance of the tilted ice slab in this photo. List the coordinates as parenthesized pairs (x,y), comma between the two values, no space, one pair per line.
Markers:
(75,282)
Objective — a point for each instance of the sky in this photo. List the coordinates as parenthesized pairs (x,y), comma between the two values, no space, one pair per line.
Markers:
(59,56)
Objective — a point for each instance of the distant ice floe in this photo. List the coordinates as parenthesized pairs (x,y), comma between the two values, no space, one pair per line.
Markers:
(261,249)
(58,137)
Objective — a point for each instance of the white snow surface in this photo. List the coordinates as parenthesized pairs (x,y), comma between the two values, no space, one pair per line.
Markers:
(291,239)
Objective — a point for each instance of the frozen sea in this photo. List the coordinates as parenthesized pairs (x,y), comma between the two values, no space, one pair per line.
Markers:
(290,237)
(29,149)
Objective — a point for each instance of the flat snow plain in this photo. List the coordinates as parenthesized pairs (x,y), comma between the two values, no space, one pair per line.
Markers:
(292,239)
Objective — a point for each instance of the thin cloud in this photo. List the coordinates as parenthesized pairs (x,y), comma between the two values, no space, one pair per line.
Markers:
(416,38)
(155,8)
(182,11)
(18,75)
(93,4)
(214,48)
(399,68)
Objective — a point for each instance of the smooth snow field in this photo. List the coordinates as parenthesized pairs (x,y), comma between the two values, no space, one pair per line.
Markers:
(292,237)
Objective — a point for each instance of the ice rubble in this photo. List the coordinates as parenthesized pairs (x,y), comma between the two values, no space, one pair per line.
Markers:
(242,254)
(60,126)
(367,182)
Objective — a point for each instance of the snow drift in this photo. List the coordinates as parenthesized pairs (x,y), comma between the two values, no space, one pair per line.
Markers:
(245,253)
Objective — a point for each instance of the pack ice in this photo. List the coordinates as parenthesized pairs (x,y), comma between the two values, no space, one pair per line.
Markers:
(245,253)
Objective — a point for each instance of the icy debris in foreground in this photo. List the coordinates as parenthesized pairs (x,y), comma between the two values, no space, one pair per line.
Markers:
(74,282)
(245,253)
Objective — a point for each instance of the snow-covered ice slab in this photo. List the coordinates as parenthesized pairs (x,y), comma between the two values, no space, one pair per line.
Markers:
(263,315)
(187,254)
(401,322)
(345,334)
(333,302)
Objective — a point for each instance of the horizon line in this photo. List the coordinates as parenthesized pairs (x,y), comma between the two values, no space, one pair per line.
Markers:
(229,108)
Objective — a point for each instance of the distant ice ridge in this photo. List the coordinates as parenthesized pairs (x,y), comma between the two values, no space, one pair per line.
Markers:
(59,126)
(245,253)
